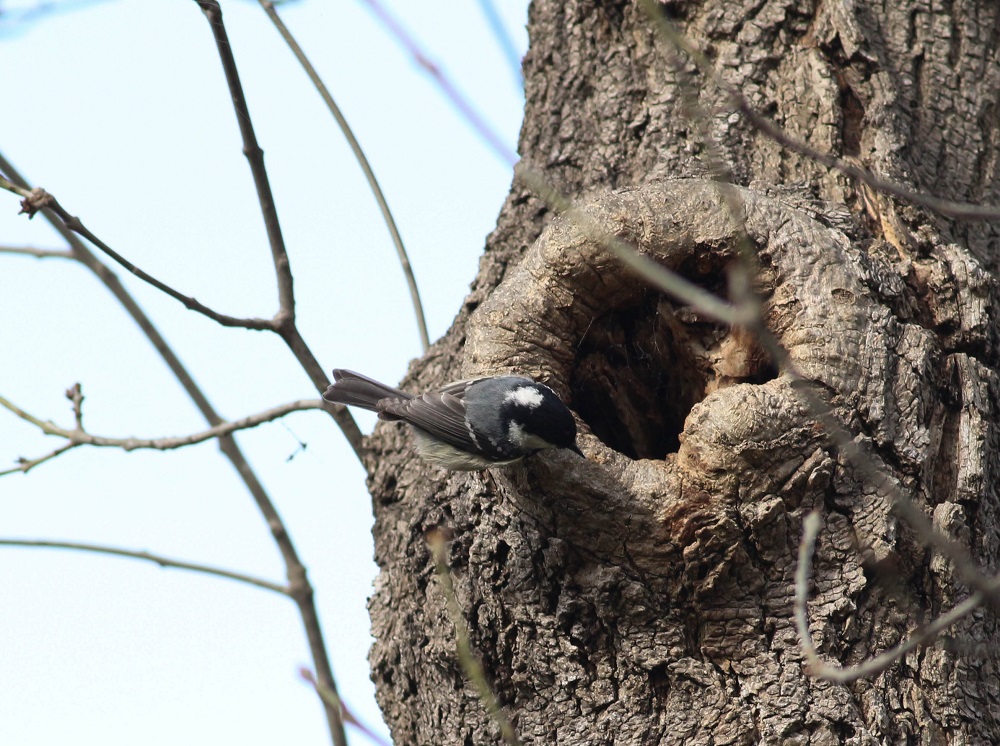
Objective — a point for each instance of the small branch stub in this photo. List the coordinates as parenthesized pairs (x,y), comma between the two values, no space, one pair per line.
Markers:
(37,199)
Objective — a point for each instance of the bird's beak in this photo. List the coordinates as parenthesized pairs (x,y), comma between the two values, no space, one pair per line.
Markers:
(575,449)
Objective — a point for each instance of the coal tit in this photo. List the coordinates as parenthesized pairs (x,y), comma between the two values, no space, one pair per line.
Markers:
(468,425)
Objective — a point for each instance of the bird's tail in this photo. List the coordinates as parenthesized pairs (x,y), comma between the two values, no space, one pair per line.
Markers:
(360,391)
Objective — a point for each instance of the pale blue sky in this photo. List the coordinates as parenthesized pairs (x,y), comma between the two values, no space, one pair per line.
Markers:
(119,109)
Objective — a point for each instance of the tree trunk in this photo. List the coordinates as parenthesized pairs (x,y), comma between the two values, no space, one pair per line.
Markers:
(644,596)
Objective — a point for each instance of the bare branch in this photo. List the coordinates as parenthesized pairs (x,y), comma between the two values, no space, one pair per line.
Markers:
(745,312)
(466,658)
(746,308)
(80,437)
(359,154)
(743,298)
(38,199)
(255,157)
(332,699)
(504,40)
(963,210)
(148,557)
(37,253)
(340,414)
(450,90)
(284,320)
(10,186)
(299,586)
(655,274)
(872,666)
(75,394)
(284,324)
(24,465)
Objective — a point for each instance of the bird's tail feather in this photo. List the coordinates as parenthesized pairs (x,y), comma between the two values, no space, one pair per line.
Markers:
(357,390)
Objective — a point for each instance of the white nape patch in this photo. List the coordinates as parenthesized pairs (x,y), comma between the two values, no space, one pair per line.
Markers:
(526,396)
(523,439)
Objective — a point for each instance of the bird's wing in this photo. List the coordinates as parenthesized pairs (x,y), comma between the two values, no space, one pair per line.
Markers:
(439,413)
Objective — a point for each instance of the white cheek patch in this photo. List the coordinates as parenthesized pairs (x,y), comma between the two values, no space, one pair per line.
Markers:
(526,396)
(523,439)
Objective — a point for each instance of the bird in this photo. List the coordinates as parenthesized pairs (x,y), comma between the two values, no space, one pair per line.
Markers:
(468,425)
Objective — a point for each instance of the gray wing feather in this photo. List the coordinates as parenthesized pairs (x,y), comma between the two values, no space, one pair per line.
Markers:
(438,413)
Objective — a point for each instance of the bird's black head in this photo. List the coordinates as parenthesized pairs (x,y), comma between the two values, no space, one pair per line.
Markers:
(538,418)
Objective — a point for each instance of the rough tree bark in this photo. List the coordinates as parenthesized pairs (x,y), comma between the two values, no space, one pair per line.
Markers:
(644,596)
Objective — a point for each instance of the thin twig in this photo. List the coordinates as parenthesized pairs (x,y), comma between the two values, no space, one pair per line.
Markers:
(79,437)
(284,325)
(24,465)
(227,444)
(332,699)
(37,253)
(87,258)
(75,394)
(745,311)
(148,557)
(467,659)
(284,320)
(655,274)
(38,199)
(966,568)
(743,297)
(872,666)
(963,210)
(359,154)
(504,40)
(255,157)
(450,90)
